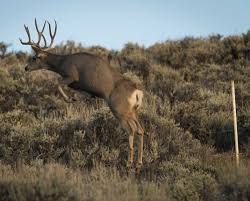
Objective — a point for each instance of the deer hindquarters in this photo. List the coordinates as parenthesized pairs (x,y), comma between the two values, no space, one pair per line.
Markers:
(135,100)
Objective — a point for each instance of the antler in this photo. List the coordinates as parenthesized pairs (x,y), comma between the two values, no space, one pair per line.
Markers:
(40,35)
(52,36)
(28,33)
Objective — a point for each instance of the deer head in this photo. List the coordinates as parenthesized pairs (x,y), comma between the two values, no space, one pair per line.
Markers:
(38,61)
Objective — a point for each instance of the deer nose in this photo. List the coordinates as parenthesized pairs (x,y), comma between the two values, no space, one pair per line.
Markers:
(26,68)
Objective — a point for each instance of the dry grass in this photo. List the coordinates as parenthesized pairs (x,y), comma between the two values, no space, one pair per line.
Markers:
(52,150)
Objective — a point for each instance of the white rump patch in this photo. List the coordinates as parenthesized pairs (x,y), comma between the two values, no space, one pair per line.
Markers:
(135,100)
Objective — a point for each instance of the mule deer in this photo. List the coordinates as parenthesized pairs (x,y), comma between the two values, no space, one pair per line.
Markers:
(90,73)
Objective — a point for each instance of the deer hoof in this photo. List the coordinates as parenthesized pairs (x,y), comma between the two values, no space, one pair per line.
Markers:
(138,170)
(70,100)
(67,100)
(129,166)
(73,99)
(128,171)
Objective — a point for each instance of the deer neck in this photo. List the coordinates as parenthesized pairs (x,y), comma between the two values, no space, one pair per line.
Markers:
(53,61)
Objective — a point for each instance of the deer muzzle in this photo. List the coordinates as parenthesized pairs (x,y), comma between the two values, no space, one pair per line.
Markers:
(26,68)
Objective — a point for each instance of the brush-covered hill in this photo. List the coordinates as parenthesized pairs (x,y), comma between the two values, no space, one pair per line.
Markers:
(53,150)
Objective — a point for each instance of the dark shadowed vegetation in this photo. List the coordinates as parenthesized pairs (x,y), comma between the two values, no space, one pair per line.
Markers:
(53,150)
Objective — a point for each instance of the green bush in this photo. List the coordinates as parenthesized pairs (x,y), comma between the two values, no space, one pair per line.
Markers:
(53,150)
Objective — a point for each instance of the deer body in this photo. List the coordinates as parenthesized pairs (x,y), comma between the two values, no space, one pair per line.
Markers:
(90,73)
(85,72)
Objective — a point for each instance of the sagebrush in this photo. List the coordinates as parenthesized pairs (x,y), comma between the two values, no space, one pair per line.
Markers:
(53,150)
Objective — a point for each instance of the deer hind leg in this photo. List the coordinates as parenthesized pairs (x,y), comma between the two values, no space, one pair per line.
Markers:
(140,132)
(130,126)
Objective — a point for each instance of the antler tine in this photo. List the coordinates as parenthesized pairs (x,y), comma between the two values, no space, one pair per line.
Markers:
(45,42)
(52,36)
(28,33)
(40,33)
(37,26)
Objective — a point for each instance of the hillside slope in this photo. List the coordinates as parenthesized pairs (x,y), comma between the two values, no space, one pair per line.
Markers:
(53,150)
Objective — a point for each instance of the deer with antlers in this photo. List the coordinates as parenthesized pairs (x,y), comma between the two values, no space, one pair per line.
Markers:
(94,75)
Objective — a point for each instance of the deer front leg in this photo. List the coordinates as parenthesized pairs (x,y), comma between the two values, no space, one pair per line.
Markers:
(63,83)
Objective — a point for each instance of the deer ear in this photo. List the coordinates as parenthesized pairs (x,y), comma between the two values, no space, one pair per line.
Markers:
(39,51)
(36,49)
